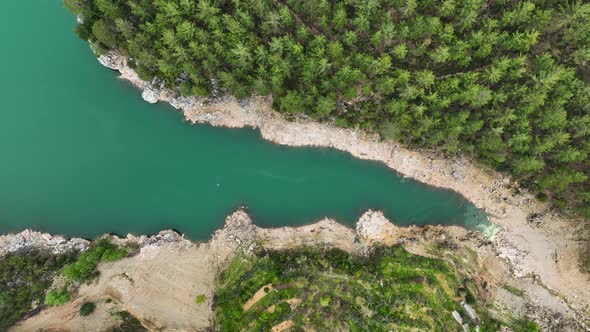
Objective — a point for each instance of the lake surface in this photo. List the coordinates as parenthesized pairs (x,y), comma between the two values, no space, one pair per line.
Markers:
(82,154)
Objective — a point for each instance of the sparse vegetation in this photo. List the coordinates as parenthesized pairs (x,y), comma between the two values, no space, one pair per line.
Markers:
(585,258)
(584,249)
(26,276)
(524,324)
(513,290)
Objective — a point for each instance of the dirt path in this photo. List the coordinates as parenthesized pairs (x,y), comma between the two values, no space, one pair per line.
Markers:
(282,326)
(261,293)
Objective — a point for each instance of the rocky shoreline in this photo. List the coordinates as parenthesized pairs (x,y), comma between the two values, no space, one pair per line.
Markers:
(197,265)
(537,242)
(30,239)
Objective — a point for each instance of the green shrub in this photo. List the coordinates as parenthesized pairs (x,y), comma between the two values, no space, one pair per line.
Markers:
(128,323)
(87,308)
(112,255)
(57,297)
(524,324)
(200,299)
(84,268)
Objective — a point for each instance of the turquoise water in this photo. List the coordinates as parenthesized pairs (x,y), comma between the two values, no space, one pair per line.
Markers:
(82,154)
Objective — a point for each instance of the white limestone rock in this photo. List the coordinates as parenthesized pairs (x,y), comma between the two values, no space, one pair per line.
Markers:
(29,239)
(111,60)
(149,95)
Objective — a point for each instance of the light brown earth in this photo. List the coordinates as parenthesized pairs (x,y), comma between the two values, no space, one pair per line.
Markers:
(282,326)
(66,318)
(160,281)
(158,285)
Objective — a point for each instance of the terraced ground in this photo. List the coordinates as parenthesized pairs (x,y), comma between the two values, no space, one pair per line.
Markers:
(390,289)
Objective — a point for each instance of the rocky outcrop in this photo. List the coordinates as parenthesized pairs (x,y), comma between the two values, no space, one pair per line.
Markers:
(112,61)
(28,239)
(149,95)
(373,227)
(161,239)
(152,91)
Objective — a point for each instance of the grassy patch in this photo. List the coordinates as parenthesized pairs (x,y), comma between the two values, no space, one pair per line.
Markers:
(325,301)
(585,257)
(84,268)
(199,299)
(524,324)
(513,290)
(57,297)
(391,290)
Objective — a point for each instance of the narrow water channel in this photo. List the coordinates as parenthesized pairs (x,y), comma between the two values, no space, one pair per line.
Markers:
(82,154)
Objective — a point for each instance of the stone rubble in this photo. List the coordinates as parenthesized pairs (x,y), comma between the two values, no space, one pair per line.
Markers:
(513,255)
(29,239)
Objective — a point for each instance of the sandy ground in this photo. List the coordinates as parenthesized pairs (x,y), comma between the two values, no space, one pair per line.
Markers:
(158,286)
(548,250)
(161,282)
(66,318)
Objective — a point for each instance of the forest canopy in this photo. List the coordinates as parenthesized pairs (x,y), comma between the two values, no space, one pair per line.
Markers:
(504,81)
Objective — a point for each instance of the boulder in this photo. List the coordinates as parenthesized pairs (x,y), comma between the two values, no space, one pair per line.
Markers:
(111,60)
(149,95)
